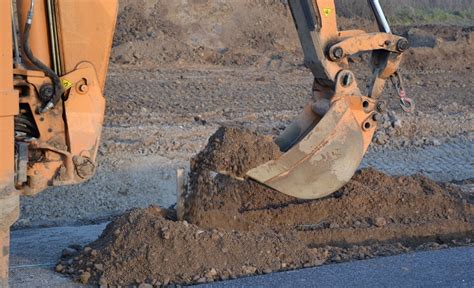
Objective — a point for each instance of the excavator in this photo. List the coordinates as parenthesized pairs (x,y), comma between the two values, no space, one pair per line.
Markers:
(54,57)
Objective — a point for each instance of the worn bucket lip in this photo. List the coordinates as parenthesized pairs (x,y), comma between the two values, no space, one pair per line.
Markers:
(307,157)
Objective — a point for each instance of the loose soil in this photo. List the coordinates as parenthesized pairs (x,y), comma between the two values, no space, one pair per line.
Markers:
(256,33)
(236,228)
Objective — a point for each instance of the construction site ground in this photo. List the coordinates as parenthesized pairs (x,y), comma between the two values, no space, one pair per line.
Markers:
(172,84)
(158,118)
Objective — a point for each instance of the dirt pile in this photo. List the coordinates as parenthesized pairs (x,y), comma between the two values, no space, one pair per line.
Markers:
(203,32)
(255,33)
(235,150)
(237,228)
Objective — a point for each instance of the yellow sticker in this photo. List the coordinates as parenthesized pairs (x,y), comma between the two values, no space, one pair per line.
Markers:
(66,83)
(327,11)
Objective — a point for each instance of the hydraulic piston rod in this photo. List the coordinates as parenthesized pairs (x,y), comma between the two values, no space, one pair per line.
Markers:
(380,16)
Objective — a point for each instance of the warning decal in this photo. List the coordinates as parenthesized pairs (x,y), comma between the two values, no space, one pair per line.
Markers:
(327,11)
(66,84)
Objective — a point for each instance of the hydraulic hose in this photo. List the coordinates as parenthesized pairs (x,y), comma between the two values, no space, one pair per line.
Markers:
(58,88)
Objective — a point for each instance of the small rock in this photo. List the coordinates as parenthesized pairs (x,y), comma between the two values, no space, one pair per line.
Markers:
(99,267)
(68,252)
(336,258)
(145,285)
(436,142)
(267,271)
(333,226)
(249,269)
(202,280)
(85,277)
(212,273)
(380,222)
(165,234)
(87,249)
(380,138)
(103,282)
(397,124)
(59,268)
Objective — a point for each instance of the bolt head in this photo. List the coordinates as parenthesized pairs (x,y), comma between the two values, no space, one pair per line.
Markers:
(83,88)
(46,92)
(403,45)
(338,53)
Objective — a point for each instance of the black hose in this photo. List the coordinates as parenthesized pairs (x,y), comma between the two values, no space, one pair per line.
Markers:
(58,88)
(25,125)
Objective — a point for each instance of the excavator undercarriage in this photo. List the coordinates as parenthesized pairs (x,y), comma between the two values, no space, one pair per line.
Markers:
(52,110)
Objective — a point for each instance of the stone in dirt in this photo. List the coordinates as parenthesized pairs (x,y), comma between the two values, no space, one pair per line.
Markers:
(235,228)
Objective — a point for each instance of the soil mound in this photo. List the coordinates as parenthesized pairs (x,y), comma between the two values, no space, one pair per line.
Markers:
(236,228)
(256,33)
(235,150)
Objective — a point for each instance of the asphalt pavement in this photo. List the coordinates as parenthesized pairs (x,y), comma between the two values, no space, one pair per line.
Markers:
(445,268)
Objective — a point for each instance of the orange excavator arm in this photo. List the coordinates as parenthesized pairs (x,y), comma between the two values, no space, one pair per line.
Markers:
(326,143)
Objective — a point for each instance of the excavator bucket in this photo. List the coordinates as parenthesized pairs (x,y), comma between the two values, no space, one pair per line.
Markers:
(328,154)
(326,143)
